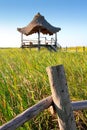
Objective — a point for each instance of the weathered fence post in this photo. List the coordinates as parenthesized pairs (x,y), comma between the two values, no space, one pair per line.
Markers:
(83,48)
(60,97)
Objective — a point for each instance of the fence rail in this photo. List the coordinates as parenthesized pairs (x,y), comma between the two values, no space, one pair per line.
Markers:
(74,49)
(59,100)
(35,110)
(27,114)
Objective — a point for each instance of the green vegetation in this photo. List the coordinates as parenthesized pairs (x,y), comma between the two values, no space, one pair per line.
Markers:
(24,81)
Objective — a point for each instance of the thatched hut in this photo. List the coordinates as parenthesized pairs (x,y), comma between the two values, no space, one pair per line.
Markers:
(37,25)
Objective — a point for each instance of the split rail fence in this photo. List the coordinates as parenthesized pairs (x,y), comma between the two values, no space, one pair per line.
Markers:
(59,100)
(73,49)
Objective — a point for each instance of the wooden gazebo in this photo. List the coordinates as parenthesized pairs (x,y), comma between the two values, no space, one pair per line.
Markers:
(37,25)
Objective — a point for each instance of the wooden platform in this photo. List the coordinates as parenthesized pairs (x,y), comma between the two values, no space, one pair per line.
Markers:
(49,47)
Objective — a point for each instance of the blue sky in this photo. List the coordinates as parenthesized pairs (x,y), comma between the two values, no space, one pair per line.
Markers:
(70,15)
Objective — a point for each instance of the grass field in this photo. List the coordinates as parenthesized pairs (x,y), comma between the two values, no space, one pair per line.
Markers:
(24,81)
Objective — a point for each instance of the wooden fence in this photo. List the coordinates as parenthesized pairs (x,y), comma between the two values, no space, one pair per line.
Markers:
(73,49)
(59,101)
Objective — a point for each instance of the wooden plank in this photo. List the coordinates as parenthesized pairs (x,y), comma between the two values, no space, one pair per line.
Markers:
(60,97)
(28,114)
(79,105)
(41,45)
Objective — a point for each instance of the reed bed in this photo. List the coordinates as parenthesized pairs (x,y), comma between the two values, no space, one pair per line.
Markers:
(24,81)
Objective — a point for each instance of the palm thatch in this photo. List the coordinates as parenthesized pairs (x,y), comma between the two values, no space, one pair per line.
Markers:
(39,23)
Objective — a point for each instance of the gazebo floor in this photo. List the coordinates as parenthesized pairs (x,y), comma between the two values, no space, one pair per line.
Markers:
(49,47)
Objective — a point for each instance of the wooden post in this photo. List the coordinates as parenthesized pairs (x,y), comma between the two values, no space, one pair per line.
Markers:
(39,39)
(66,48)
(55,39)
(83,48)
(60,97)
(45,40)
(21,39)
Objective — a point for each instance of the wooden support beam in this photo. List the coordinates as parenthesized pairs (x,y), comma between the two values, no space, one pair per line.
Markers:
(56,39)
(21,39)
(39,39)
(60,97)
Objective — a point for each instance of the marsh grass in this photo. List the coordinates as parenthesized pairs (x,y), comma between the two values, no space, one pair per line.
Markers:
(24,81)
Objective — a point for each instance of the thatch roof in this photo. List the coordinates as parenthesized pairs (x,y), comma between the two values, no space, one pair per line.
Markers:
(39,23)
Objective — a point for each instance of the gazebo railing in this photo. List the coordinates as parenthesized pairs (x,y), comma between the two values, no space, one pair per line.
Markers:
(43,40)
